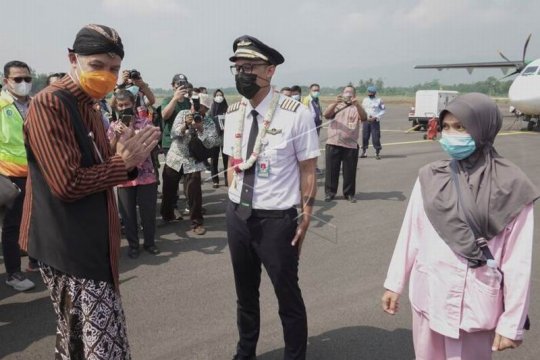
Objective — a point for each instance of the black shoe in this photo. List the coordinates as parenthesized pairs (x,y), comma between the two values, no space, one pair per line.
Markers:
(363,155)
(378,157)
(351,199)
(329,197)
(133,253)
(152,249)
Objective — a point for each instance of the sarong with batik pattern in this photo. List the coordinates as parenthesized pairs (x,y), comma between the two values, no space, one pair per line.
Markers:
(90,320)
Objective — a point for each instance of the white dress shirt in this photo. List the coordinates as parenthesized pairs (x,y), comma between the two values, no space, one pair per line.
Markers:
(293,139)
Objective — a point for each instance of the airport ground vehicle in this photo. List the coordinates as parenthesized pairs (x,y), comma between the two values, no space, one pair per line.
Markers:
(428,105)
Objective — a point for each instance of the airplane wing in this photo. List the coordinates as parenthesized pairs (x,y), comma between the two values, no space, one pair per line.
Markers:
(503,65)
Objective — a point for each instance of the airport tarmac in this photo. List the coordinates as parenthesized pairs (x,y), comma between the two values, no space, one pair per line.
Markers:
(181,303)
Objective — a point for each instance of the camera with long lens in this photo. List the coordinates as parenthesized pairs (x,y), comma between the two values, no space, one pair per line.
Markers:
(134,74)
(197,117)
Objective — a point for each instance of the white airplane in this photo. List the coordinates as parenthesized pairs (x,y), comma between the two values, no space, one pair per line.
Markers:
(524,92)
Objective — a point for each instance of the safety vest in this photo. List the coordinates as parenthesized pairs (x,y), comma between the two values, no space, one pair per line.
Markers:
(12,152)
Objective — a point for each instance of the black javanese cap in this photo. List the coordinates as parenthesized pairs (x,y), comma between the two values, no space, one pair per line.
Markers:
(97,39)
(248,47)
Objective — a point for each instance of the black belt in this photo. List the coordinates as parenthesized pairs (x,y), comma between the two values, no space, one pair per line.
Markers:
(262,213)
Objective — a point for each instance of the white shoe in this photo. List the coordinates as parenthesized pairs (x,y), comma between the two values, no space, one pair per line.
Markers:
(19,282)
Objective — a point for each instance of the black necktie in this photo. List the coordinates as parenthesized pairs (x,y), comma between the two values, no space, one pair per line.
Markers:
(246,197)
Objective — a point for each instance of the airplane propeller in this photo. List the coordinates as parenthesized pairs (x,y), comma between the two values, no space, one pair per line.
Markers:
(519,66)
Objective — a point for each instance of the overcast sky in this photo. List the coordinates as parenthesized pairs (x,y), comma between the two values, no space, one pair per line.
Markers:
(327,41)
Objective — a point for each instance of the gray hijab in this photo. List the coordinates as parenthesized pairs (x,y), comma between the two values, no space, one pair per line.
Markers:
(499,188)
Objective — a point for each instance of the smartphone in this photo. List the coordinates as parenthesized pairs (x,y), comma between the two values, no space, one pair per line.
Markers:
(126,119)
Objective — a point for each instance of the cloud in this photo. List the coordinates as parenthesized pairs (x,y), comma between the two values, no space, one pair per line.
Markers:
(145,7)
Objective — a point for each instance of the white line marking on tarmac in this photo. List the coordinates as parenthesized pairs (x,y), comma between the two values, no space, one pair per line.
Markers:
(431,141)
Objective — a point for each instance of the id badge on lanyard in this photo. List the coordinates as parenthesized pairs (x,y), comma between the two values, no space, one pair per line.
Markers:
(263,166)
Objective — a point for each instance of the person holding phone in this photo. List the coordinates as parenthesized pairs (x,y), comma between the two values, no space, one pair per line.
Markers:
(171,106)
(141,191)
(342,146)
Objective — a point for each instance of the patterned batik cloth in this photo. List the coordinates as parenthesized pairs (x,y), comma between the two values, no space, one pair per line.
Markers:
(90,320)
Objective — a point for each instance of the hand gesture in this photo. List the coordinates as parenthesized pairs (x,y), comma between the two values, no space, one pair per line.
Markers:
(139,82)
(188,119)
(125,76)
(180,93)
(501,343)
(339,99)
(120,128)
(390,302)
(300,235)
(135,148)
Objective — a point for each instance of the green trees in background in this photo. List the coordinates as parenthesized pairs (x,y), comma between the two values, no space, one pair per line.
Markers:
(491,86)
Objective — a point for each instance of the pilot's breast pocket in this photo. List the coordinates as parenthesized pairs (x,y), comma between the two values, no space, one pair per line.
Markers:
(274,146)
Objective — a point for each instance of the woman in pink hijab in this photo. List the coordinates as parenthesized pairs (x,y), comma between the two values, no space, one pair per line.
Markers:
(465,245)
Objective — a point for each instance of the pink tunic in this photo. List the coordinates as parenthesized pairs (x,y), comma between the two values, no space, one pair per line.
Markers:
(450,294)
(344,130)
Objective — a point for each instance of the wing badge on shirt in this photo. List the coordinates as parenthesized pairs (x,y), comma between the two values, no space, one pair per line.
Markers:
(274,131)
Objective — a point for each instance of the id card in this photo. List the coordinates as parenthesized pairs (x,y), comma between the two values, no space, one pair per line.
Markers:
(263,166)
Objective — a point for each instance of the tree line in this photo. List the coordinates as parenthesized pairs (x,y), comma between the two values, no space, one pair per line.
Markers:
(491,86)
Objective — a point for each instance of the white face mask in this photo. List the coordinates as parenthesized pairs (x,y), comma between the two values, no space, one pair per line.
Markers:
(218,99)
(134,89)
(21,89)
(296,97)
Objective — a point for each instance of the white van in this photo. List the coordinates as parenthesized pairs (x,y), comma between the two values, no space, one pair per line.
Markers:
(429,104)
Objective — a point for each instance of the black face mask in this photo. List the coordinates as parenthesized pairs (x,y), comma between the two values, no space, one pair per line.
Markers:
(246,84)
(127,111)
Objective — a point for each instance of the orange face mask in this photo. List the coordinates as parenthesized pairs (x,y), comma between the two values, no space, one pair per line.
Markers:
(97,83)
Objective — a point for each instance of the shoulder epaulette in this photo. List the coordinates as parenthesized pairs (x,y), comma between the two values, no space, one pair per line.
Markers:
(290,105)
(234,107)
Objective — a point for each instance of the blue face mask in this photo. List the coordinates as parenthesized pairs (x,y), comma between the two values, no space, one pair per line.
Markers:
(459,146)
(134,89)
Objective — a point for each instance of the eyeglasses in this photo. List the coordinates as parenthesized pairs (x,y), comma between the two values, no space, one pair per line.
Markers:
(19,79)
(245,68)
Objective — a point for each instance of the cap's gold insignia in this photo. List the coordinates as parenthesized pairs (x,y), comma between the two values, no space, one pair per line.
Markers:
(244,43)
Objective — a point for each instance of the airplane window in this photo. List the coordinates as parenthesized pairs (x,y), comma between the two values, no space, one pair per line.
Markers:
(531,70)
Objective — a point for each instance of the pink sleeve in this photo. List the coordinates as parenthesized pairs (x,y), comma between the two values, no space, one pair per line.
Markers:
(516,266)
(405,250)
(111,130)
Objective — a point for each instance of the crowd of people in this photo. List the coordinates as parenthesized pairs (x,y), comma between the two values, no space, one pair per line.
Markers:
(74,155)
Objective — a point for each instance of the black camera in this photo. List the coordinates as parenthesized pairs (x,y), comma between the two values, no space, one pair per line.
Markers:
(196,103)
(134,74)
(197,118)
(183,83)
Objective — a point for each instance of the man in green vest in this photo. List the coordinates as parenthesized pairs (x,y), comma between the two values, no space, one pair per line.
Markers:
(14,101)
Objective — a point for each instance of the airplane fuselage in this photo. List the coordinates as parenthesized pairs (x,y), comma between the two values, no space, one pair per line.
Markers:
(524,93)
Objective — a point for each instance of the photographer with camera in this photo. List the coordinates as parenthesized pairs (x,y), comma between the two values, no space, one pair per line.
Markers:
(132,81)
(172,105)
(192,133)
(346,114)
